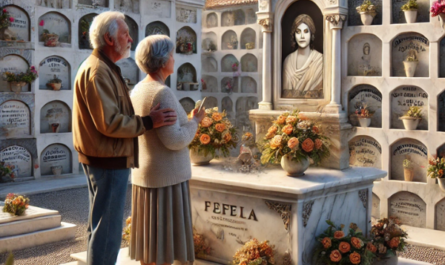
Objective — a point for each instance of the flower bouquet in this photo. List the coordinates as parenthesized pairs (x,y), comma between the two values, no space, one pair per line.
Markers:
(436,169)
(215,133)
(6,172)
(17,81)
(387,238)
(254,253)
(367,12)
(292,141)
(364,114)
(126,233)
(336,248)
(412,118)
(438,9)
(5,22)
(15,204)
(202,247)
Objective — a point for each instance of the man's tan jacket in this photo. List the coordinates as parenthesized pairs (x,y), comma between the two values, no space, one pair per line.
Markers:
(105,128)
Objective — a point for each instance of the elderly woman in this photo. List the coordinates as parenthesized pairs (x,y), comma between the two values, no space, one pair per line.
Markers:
(161,226)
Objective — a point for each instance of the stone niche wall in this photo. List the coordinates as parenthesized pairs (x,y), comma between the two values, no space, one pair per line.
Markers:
(15,64)
(209,63)
(369,95)
(404,97)
(229,40)
(365,56)
(423,13)
(409,208)
(375,212)
(55,3)
(130,71)
(413,150)
(442,57)
(233,18)
(227,63)
(354,16)
(248,85)
(84,31)
(55,23)
(186,15)
(155,28)
(55,117)
(54,67)
(127,6)
(230,84)
(186,77)
(227,105)
(21,27)
(365,151)
(15,119)
(22,153)
(248,36)
(440,216)
(159,8)
(410,44)
(209,42)
(55,155)
(188,104)
(211,83)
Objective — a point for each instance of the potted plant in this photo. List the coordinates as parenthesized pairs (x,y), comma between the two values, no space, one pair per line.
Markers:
(408,169)
(410,63)
(410,11)
(6,172)
(5,22)
(17,81)
(55,83)
(412,118)
(49,39)
(438,9)
(292,141)
(215,133)
(367,12)
(15,204)
(57,170)
(387,238)
(364,115)
(436,170)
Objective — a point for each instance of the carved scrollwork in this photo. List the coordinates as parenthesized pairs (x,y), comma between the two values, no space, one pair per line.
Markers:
(336,20)
(284,209)
(307,210)
(363,195)
(267,23)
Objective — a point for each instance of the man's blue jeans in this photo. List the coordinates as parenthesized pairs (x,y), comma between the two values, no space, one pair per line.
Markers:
(107,192)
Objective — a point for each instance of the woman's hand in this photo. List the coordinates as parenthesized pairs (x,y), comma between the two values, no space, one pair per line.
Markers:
(199,115)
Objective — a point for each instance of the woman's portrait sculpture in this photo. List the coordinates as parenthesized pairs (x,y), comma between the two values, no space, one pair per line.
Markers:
(303,68)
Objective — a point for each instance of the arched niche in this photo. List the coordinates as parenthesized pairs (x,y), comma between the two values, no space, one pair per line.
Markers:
(229,85)
(129,71)
(249,63)
(20,29)
(413,150)
(131,6)
(63,4)
(134,31)
(250,16)
(54,30)
(210,102)
(439,215)
(441,112)
(365,95)
(211,83)
(248,85)
(15,119)
(54,156)
(103,3)
(423,11)
(209,64)
(365,55)
(441,151)
(365,151)
(229,40)
(186,40)
(354,16)
(233,18)
(409,208)
(20,158)
(375,212)
(404,97)
(186,15)
(412,45)
(442,57)
(243,105)
(15,64)
(227,106)
(54,67)
(186,77)
(84,31)
(188,104)
(55,117)
(228,62)
(212,20)
(248,36)
(209,42)
(155,28)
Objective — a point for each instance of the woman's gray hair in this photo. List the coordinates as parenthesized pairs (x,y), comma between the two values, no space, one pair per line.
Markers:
(153,52)
(103,23)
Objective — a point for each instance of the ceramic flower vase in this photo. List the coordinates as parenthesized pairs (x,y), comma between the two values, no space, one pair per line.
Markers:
(198,158)
(54,86)
(293,168)
(367,18)
(410,68)
(410,16)
(16,87)
(57,170)
(392,260)
(441,183)
(408,174)
(55,127)
(364,122)
(410,123)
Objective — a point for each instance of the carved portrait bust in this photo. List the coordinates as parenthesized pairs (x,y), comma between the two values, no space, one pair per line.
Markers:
(303,68)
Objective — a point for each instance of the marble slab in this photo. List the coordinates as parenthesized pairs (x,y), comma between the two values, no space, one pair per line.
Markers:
(32,212)
(30,225)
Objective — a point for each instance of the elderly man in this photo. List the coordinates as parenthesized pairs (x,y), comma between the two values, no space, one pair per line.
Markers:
(105,131)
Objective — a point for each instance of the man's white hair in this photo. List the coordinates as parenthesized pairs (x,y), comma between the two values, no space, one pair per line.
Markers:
(103,23)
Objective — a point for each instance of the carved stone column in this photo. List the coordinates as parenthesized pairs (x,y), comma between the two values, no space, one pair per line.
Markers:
(265,19)
(336,25)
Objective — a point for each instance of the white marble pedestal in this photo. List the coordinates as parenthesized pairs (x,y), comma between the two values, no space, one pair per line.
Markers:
(230,208)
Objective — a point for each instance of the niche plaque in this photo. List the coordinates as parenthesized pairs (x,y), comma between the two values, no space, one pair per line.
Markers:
(406,47)
(55,117)
(15,119)
(415,152)
(249,63)
(55,155)
(20,28)
(188,104)
(54,30)
(52,68)
(365,151)
(404,97)
(20,158)
(156,28)
(409,208)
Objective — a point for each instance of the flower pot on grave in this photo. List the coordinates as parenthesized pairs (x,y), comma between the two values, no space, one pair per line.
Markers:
(410,16)
(408,174)
(294,168)
(199,158)
(441,183)
(410,68)
(51,40)
(57,170)
(54,86)
(364,122)
(16,87)
(442,20)
(55,126)
(410,123)
(367,17)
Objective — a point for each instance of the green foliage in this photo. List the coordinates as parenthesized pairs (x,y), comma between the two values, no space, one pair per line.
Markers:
(407,163)
(10,259)
(366,6)
(414,112)
(55,80)
(410,5)
(28,77)
(436,167)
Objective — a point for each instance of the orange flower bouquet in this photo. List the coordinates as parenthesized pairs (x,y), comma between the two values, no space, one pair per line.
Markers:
(388,238)
(202,246)
(335,247)
(15,204)
(126,233)
(254,253)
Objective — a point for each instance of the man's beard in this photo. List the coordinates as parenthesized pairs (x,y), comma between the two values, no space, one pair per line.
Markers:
(124,53)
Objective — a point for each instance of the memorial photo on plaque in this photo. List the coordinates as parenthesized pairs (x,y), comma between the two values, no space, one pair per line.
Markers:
(54,74)
(249,63)
(54,30)
(15,119)
(155,28)
(439,215)
(55,117)
(84,31)
(55,160)
(20,28)
(20,158)
(366,61)
(248,85)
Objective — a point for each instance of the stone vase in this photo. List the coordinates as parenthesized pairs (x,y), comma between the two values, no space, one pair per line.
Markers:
(55,127)
(408,174)
(367,18)
(410,123)
(364,122)
(16,87)
(410,68)
(57,170)
(198,158)
(442,19)
(54,86)
(410,16)
(293,168)
(441,183)
(392,260)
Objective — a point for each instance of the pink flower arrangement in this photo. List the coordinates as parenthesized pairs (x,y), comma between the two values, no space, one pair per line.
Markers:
(235,66)
(437,8)
(42,23)
(11,19)
(5,11)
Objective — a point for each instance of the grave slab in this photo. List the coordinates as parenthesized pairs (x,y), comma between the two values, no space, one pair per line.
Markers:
(30,225)
(32,212)
(425,237)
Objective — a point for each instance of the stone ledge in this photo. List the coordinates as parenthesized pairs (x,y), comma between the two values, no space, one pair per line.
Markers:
(29,225)
(425,237)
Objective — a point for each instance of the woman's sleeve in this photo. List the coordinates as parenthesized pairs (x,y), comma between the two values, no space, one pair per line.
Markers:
(174,137)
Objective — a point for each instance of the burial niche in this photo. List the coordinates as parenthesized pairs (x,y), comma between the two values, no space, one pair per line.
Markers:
(423,11)
(55,3)
(210,83)
(54,30)
(365,151)
(14,64)
(365,59)
(55,117)
(229,85)
(402,98)
(54,74)
(229,40)
(375,212)
(249,63)
(212,20)
(439,215)
(134,31)
(210,102)
(19,29)
(441,112)
(102,3)
(209,42)
(302,28)
(209,64)
(187,77)
(186,15)
(188,104)
(354,17)
(409,208)
(410,55)
(365,96)
(55,158)
(129,71)
(20,158)
(186,41)
(243,105)
(84,31)
(15,119)
(248,37)
(229,63)
(131,6)
(155,28)
(227,105)
(248,85)
(250,16)
(409,159)
(233,18)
